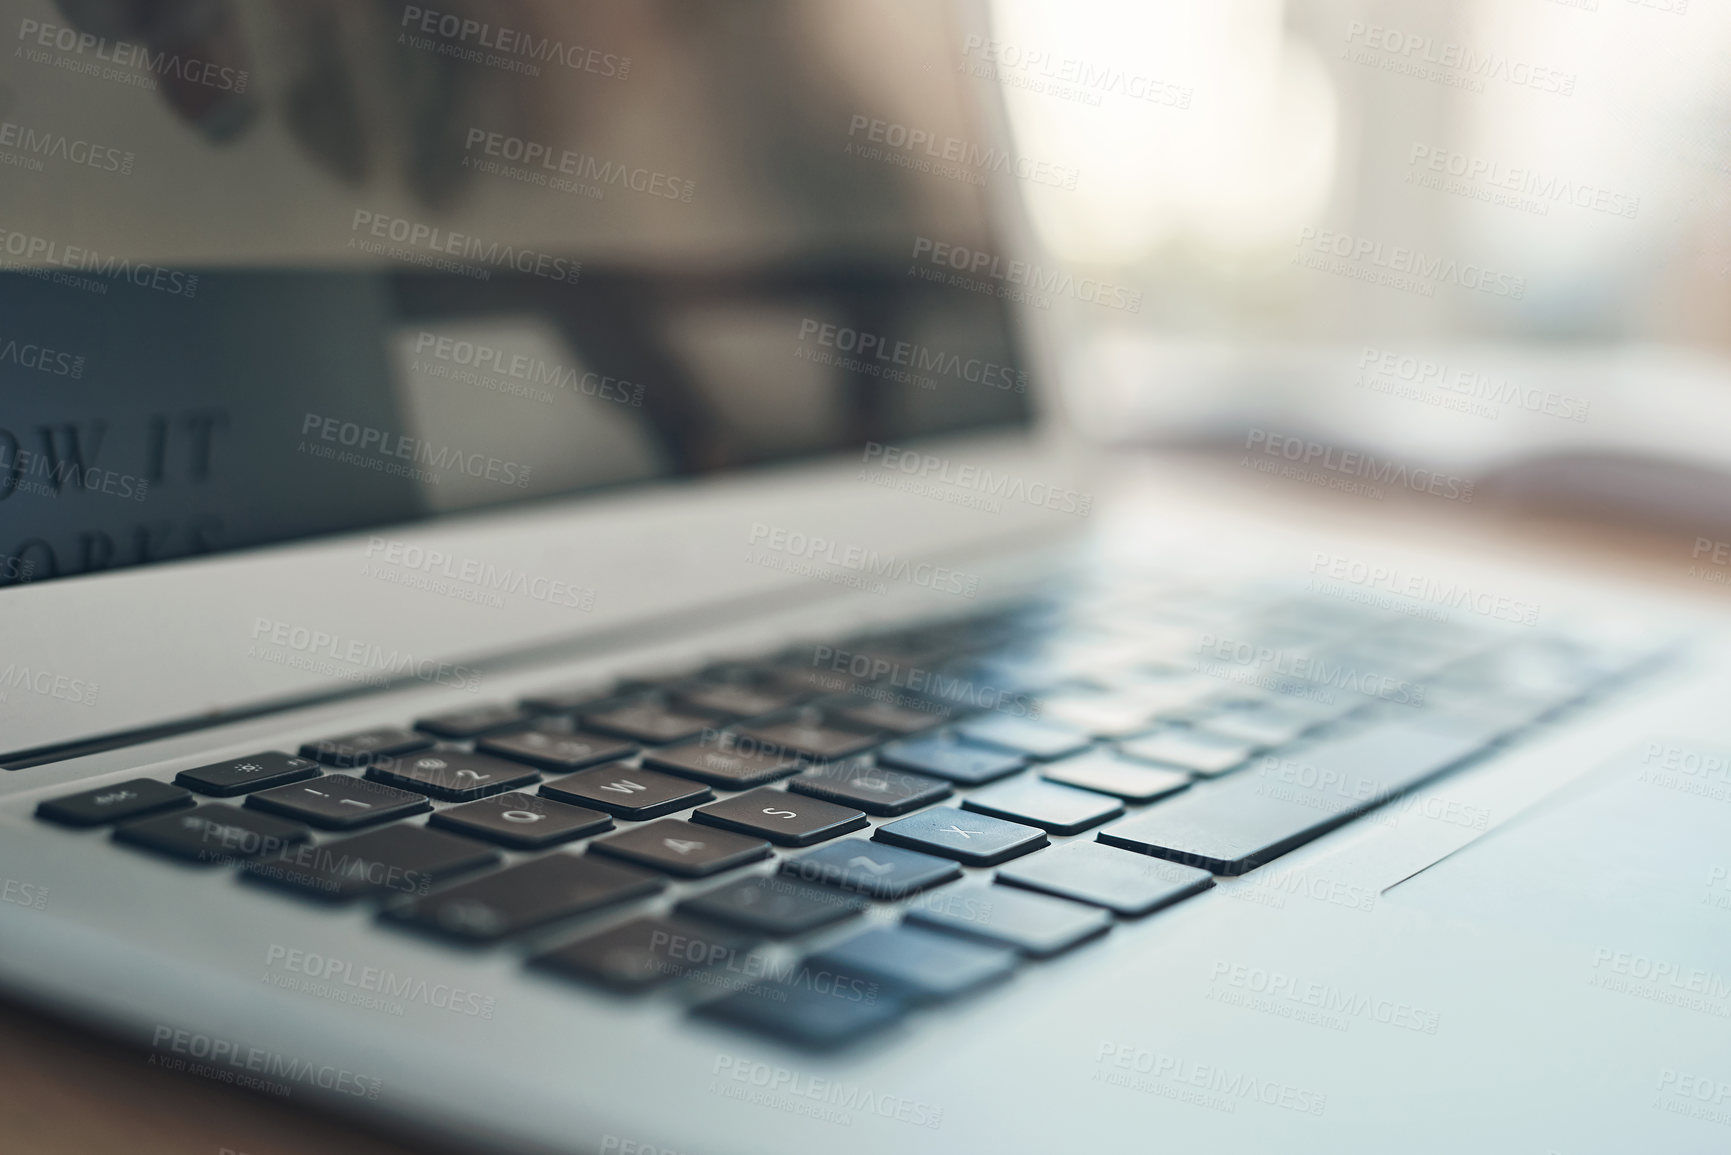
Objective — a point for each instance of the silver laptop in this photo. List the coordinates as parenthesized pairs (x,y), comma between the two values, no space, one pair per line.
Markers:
(555,601)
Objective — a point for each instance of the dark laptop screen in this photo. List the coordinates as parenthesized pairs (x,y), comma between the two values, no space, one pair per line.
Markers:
(280,271)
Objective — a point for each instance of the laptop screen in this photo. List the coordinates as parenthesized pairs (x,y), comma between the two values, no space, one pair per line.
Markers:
(273,271)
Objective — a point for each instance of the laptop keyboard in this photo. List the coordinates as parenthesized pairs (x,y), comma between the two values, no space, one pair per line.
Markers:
(1012,783)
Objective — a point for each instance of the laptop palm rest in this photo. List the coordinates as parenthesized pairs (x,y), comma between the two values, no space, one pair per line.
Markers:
(1635,865)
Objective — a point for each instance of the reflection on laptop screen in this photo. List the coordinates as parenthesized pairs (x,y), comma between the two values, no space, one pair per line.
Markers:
(368,264)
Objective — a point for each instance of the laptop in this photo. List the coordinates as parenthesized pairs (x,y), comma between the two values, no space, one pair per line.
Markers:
(555,603)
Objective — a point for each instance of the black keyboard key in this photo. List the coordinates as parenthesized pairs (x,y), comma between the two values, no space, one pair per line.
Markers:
(114,803)
(890,717)
(783,818)
(682,848)
(635,688)
(646,952)
(1121,881)
(553,750)
(1054,808)
(773,905)
(522,821)
(960,762)
(1034,924)
(872,868)
(1239,823)
(971,839)
(810,680)
(821,1010)
(920,963)
(472,723)
(812,739)
(626,792)
(397,859)
(240,775)
(726,762)
(366,747)
(212,834)
(1197,751)
(873,789)
(569,700)
(735,699)
(1040,740)
(338,802)
(527,895)
(651,723)
(453,775)
(1105,773)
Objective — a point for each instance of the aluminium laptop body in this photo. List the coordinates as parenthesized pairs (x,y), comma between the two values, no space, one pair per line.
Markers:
(1267,866)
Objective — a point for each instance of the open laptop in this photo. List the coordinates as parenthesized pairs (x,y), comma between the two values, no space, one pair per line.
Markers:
(551,607)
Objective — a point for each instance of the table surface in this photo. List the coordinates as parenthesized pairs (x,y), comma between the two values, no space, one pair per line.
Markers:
(72,1093)
(68,1092)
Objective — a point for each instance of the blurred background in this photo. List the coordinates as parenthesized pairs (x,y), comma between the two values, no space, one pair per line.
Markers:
(1577,150)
